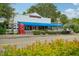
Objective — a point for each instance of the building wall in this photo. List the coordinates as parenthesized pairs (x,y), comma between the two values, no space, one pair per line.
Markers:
(27,18)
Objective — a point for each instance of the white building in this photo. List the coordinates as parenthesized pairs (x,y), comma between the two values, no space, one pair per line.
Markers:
(32,21)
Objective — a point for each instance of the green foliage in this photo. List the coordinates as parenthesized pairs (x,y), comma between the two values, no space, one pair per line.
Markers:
(75,21)
(75,28)
(63,19)
(46,10)
(2,28)
(43,32)
(36,32)
(57,47)
(74,25)
(50,32)
(66,26)
(6,11)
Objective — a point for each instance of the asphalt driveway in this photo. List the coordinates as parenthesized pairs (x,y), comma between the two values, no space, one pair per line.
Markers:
(22,40)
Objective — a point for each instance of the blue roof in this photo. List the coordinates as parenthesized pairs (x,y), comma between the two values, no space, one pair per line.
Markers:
(40,24)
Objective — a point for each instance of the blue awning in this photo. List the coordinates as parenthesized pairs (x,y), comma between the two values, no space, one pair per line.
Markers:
(40,24)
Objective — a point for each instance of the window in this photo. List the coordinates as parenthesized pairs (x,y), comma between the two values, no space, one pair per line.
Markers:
(27,27)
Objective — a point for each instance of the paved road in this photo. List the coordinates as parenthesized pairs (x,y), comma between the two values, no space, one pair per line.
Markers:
(23,40)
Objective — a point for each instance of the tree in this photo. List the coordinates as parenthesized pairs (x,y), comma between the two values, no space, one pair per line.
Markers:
(75,20)
(6,11)
(45,10)
(63,19)
(24,13)
(75,24)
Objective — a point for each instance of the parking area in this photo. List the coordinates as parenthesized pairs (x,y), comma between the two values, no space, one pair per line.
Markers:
(22,40)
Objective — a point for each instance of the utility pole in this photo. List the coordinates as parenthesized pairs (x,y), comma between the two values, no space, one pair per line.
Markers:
(12,23)
(58,21)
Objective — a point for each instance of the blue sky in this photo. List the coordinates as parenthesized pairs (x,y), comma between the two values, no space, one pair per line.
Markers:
(65,8)
(21,7)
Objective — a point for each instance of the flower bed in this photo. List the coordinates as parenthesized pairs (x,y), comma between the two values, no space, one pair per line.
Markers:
(56,47)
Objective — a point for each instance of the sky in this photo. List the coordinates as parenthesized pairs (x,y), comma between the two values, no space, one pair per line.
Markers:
(69,9)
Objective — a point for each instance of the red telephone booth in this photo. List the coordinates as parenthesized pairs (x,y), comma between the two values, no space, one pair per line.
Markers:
(21,29)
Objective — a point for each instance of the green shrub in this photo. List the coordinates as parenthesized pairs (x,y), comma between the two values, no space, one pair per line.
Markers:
(2,30)
(36,32)
(75,27)
(43,32)
(57,47)
(65,32)
(62,32)
(50,32)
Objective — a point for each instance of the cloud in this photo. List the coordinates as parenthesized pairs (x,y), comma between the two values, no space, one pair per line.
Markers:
(71,13)
(75,4)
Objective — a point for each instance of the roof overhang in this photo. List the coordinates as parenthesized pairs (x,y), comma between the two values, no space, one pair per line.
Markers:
(40,24)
